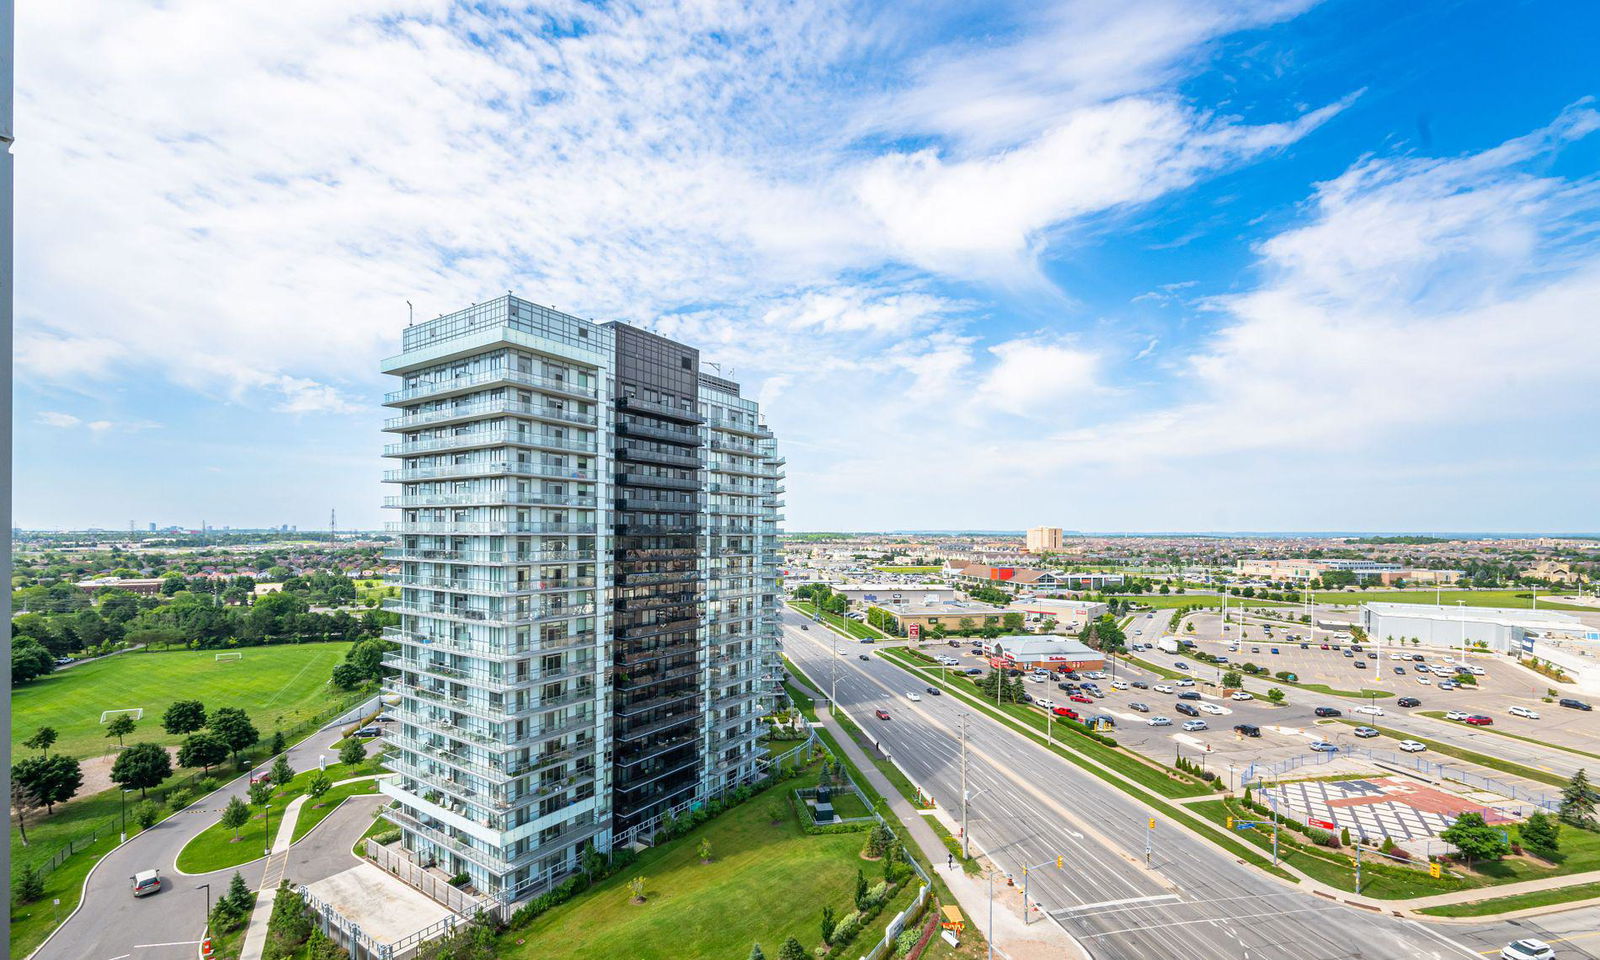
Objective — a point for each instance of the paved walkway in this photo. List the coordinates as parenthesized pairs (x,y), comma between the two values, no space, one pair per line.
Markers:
(1012,937)
(255,936)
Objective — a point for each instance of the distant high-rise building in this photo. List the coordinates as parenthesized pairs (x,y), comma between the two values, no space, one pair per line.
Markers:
(152,526)
(1044,539)
(588,563)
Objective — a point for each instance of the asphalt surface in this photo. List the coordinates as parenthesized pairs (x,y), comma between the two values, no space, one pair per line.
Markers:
(1029,806)
(110,924)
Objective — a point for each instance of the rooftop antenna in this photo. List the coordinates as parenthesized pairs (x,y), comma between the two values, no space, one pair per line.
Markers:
(411,314)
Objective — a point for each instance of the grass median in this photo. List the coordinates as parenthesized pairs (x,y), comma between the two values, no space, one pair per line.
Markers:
(851,629)
(1517,901)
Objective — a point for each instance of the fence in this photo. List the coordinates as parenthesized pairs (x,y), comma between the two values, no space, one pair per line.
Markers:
(394,861)
(1256,773)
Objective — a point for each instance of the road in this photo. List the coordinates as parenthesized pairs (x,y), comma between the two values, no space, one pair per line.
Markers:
(1029,806)
(111,925)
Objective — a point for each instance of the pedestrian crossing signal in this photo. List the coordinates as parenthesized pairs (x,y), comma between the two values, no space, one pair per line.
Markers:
(1434,870)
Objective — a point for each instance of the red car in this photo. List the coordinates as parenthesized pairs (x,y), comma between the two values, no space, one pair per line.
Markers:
(882,714)
(1479,720)
(1079,698)
(1064,712)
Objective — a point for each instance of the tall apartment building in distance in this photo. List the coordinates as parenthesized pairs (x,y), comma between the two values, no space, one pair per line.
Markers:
(1044,539)
(588,557)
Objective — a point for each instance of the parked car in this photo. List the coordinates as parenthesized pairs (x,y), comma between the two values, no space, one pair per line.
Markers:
(1328,712)
(1524,713)
(1323,746)
(1067,712)
(1162,688)
(1365,733)
(881,714)
(1159,722)
(1247,730)
(1412,746)
(1193,725)
(1187,710)
(1274,651)
(1454,715)
(1213,709)
(1140,685)
(1045,703)
(146,882)
(1242,696)
(1399,671)
(1080,698)
(1140,707)
(1408,702)
(974,672)
(1369,710)
(1448,685)
(1572,704)
(1426,682)
(1422,668)
(1479,720)
(1255,649)
(1189,695)
(1184,682)
(1361,664)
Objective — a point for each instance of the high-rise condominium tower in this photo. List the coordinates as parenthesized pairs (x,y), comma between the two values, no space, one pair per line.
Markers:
(588,564)
(1043,539)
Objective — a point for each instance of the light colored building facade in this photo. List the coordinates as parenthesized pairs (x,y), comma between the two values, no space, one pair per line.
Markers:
(882,593)
(1043,539)
(585,616)
(1068,615)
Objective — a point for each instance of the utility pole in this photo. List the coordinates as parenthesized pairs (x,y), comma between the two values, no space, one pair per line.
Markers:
(966,835)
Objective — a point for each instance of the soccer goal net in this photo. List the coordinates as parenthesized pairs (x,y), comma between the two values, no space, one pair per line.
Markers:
(106,715)
(230,656)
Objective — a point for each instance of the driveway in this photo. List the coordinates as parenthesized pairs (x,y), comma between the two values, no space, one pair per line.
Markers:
(111,925)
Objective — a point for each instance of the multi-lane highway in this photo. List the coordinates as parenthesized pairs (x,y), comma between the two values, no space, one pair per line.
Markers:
(1029,806)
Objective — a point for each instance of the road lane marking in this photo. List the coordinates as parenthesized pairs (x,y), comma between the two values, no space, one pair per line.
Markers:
(1211,920)
(1118,903)
(175,943)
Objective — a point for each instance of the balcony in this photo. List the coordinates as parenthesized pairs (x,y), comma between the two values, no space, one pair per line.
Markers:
(640,454)
(658,409)
(491,527)
(655,505)
(488,438)
(746,428)
(489,408)
(492,587)
(687,437)
(490,498)
(636,479)
(564,388)
(735,446)
(491,556)
(489,651)
(501,617)
(488,468)
(635,733)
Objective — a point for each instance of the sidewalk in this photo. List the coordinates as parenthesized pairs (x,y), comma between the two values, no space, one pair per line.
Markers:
(255,936)
(1012,938)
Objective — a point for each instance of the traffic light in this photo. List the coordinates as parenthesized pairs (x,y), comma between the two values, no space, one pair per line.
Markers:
(1230,823)
(1061,863)
(1152,823)
(1434,870)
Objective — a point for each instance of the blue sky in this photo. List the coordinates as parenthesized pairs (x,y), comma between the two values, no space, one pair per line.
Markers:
(1164,265)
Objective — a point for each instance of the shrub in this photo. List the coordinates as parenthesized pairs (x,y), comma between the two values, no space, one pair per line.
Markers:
(178,799)
(205,785)
(459,880)
(147,813)
(385,838)
(29,885)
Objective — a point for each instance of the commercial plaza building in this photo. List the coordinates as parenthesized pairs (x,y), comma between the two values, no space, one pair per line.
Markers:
(588,562)
(1043,539)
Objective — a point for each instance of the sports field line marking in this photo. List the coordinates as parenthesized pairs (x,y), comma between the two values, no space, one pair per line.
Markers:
(291,681)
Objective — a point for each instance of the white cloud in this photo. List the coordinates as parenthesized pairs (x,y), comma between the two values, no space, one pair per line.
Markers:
(1035,376)
(53,418)
(67,421)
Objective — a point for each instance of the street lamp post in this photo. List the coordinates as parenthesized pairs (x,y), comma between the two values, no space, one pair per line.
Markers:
(207,888)
(124,816)
(266,808)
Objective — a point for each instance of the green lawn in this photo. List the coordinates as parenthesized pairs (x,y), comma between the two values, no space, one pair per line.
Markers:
(312,814)
(767,882)
(850,628)
(215,847)
(276,686)
(1472,598)
(1518,901)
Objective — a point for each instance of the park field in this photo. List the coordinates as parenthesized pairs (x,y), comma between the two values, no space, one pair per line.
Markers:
(1519,598)
(276,686)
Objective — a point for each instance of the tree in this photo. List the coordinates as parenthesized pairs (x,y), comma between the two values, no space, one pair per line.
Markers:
(1475,839)
(239,894)
(235,815)
(792,950)
(1275,695)
(234,727)
(1577,801)
(202,750)
(51,780)
(318,785)
(23,803)
(260,792)
(42,740)
(861,890)
(352,751)
(1541,835)
(30,884)
(282,773)
(828,924)
(636,887)
(705,850)
(184,716)
(756,954)
(1232,680)
(120,726)
(278,742)
(141,766)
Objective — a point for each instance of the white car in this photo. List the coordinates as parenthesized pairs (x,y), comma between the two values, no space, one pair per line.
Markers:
(1476,671)
(1162,688)
(1412,746)
(1242,696)
(914,696)
(1370,711)
(1524,712)
(1528,949)
(1425,681)
(1159,722)
(1045,702)
(1455,715)
(1119,684)
(1185,683)
(1035,678)
(1396,656)
(1212,709)
(1193,725)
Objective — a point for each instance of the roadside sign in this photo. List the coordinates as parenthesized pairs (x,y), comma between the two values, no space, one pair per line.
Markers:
(1324,824)
(1434,869)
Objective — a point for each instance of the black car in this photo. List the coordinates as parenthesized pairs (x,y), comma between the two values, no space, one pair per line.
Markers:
(974,672)
(1408,702)
(1188,695)
(1069,687)
(1140,685)
(1572,704)
(1328,712)
(1305,646)
(933,690)
(862,656)
(1071,675)
(1187,710)
(1247,729)
(1361,664)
